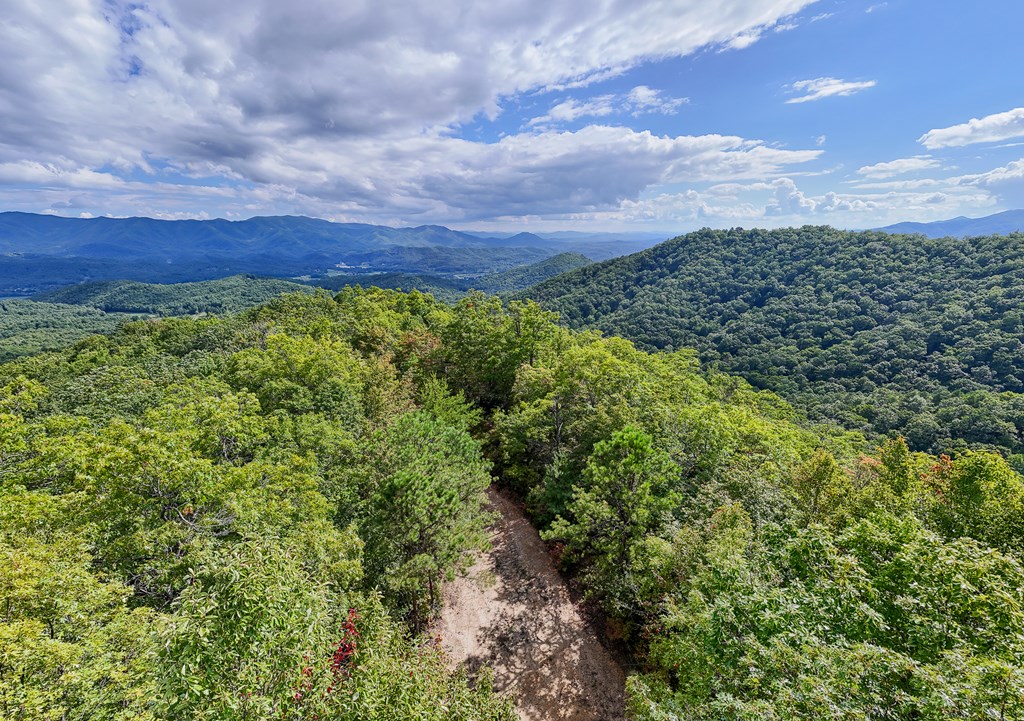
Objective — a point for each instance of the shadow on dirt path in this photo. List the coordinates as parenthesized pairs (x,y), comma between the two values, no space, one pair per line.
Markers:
(513,613)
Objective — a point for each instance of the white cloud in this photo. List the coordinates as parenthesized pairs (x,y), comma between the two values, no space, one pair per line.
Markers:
(643,99)
(636,102)
(61,174)
(1002,185)
(1006,182)
(989,129)
(354,111)
(1011,172)
(558,172)
(899,167)
(746,38)
(869,209)
(789,200)
(569,110)
(349,110)
(781,202)
(742,40)
(818,88)
(435,178)
(905,184)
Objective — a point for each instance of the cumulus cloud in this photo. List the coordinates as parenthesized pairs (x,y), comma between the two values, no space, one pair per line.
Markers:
(1011,172)
(1003,185)
(1006,182)
(362,112)
(558,172)
(782,202)
(789,200)
(900,166)
(351,109)
(818,88)
(786,203)
(989,129)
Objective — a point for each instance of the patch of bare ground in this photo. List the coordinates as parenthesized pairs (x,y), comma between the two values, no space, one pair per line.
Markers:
(514,613)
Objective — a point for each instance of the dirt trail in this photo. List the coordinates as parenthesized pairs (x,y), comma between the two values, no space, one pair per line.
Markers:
(514,614)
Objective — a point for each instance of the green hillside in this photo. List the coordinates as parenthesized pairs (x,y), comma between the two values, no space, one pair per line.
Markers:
(224,295)
(525,276)
(54,320)
(28,327)
(51,321)
(253,516)
(443,288)
(884,333)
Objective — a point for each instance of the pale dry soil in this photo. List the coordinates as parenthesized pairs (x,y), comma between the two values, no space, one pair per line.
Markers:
(514,614)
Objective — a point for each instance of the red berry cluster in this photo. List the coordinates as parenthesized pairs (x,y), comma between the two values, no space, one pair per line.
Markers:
(347,647)
(341,659)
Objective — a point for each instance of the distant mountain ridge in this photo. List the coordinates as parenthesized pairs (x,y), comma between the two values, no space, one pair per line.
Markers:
(102,237)
(42,252)
(39,253)
(1009,221)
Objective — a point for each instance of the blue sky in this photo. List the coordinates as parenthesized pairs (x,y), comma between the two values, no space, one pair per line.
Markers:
(660,115)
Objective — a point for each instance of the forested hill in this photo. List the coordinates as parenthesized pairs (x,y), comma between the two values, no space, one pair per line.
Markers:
(527,275)
(238,292)
(28,327)
(212,296)
(880,332)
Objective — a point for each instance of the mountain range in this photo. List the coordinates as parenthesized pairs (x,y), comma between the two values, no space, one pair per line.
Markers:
(44,252)
(1009,221)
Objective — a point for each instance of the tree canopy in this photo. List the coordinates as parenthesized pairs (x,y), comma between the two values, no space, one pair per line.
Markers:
(881,333)
(249,516)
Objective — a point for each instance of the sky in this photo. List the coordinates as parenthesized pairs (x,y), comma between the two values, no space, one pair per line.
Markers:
(595,115)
